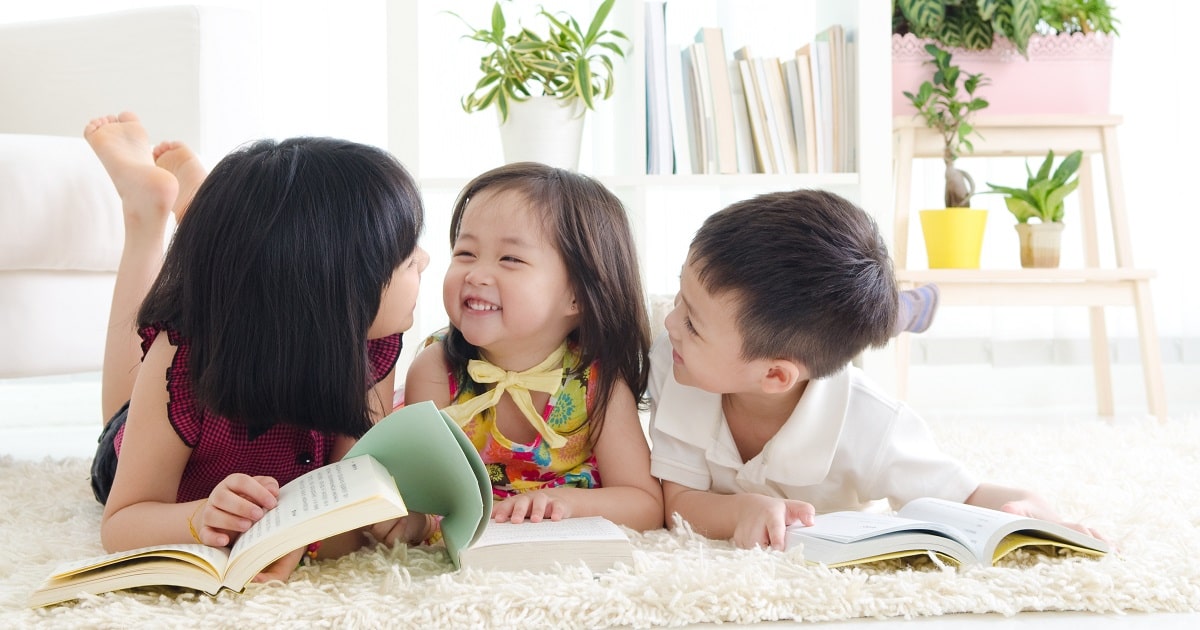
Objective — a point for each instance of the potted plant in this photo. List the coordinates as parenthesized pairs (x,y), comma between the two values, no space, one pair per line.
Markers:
(946,102)
(1043,56)
(1042,198)
(541,86)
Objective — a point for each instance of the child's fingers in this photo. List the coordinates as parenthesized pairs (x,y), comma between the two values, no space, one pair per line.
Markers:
(519,507)
(269,483)
(261,491)
(537,507)
(238,502)
(799,511)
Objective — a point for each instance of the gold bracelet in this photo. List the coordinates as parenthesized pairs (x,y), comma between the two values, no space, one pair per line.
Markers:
(433,529)
(192,528)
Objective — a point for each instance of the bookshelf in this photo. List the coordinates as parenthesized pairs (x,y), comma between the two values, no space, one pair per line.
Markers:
(430,66)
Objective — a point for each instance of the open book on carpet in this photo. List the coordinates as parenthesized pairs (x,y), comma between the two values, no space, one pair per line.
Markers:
(596,541)
(960,533)
(415,459)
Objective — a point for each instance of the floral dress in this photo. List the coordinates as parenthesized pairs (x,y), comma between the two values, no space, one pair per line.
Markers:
(515,467)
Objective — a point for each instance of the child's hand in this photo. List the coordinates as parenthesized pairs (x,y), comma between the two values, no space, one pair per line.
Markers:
(282,568)
(238,502)
(412,529)
(762,520)
(536,505)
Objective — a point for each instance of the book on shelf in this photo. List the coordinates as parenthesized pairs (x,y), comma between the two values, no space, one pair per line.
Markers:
(659,151)
(957,532)
(780,121)
(850,113)
(699,94)
(798,76)
(764,156)
(415,459)
(829,58)
(741,123)
(679,104)
(596,541)
(720,96)
(822,127)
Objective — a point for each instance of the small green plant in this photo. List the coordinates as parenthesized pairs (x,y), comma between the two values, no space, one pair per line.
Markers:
(569,62)
(1076,16)
(946,103)
(1043,195)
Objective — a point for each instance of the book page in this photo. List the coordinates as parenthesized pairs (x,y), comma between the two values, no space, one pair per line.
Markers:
(311,496)
(209,559)
(589,528)
(986,531)
(849,527)
(977,525)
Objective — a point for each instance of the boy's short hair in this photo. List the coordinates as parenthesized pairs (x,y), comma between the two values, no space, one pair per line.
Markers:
(810,272)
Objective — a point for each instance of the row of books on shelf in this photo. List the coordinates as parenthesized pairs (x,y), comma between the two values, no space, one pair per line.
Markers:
(712,108)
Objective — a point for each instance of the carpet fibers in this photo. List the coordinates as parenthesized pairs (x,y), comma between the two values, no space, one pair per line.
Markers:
(1133,480)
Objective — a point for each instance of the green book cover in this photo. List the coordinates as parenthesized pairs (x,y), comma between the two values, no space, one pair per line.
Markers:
(436,469)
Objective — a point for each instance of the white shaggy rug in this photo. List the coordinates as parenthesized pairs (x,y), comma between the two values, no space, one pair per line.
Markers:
(1136,481)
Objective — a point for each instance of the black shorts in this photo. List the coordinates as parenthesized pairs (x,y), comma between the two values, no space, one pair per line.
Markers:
(104,464)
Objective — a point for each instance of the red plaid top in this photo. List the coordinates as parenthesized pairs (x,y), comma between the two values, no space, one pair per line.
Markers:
(221,447)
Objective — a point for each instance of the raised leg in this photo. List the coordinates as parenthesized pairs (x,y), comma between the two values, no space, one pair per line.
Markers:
(147,194)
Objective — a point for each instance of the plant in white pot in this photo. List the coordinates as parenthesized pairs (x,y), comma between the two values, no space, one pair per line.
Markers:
(947,102)
(541,86)
(1043,56)
(1042,198)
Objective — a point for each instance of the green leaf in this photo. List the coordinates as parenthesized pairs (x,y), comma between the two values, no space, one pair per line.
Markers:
(924,16)
(583,82)
(1024,23)
(1054,201)
(976,34)
(1044,170)
(1068,167)
(498,23)
(598,20)
(1020,209)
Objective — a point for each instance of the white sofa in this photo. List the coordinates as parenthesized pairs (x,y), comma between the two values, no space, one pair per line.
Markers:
(191,73)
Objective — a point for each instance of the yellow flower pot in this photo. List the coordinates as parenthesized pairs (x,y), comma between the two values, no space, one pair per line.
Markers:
(953,237)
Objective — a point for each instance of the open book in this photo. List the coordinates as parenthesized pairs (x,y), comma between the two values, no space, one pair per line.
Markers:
(960,533)
(415,459)
(596,541)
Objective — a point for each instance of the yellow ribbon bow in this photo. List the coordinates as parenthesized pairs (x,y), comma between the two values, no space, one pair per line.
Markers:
(542,377)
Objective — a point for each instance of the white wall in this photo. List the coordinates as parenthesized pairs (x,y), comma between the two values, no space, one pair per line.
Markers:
(324,73)
(324,62)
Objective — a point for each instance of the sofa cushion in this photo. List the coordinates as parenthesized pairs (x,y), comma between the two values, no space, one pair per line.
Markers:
(58,208)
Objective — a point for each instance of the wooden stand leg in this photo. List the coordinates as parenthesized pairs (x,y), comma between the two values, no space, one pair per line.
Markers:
(1156,396)
(1101,361)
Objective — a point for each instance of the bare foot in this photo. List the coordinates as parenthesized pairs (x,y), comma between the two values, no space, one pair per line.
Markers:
(146,190)
(178,158)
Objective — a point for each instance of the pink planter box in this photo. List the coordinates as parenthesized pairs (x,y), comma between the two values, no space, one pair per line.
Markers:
(1063,74)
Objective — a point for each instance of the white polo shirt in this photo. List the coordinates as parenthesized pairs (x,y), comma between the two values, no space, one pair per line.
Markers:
(845,445)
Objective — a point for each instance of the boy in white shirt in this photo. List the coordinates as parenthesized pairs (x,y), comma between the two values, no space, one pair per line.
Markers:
(758,420)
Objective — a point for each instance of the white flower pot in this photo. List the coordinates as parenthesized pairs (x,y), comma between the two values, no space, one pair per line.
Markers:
(543,129)
(1041,244)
